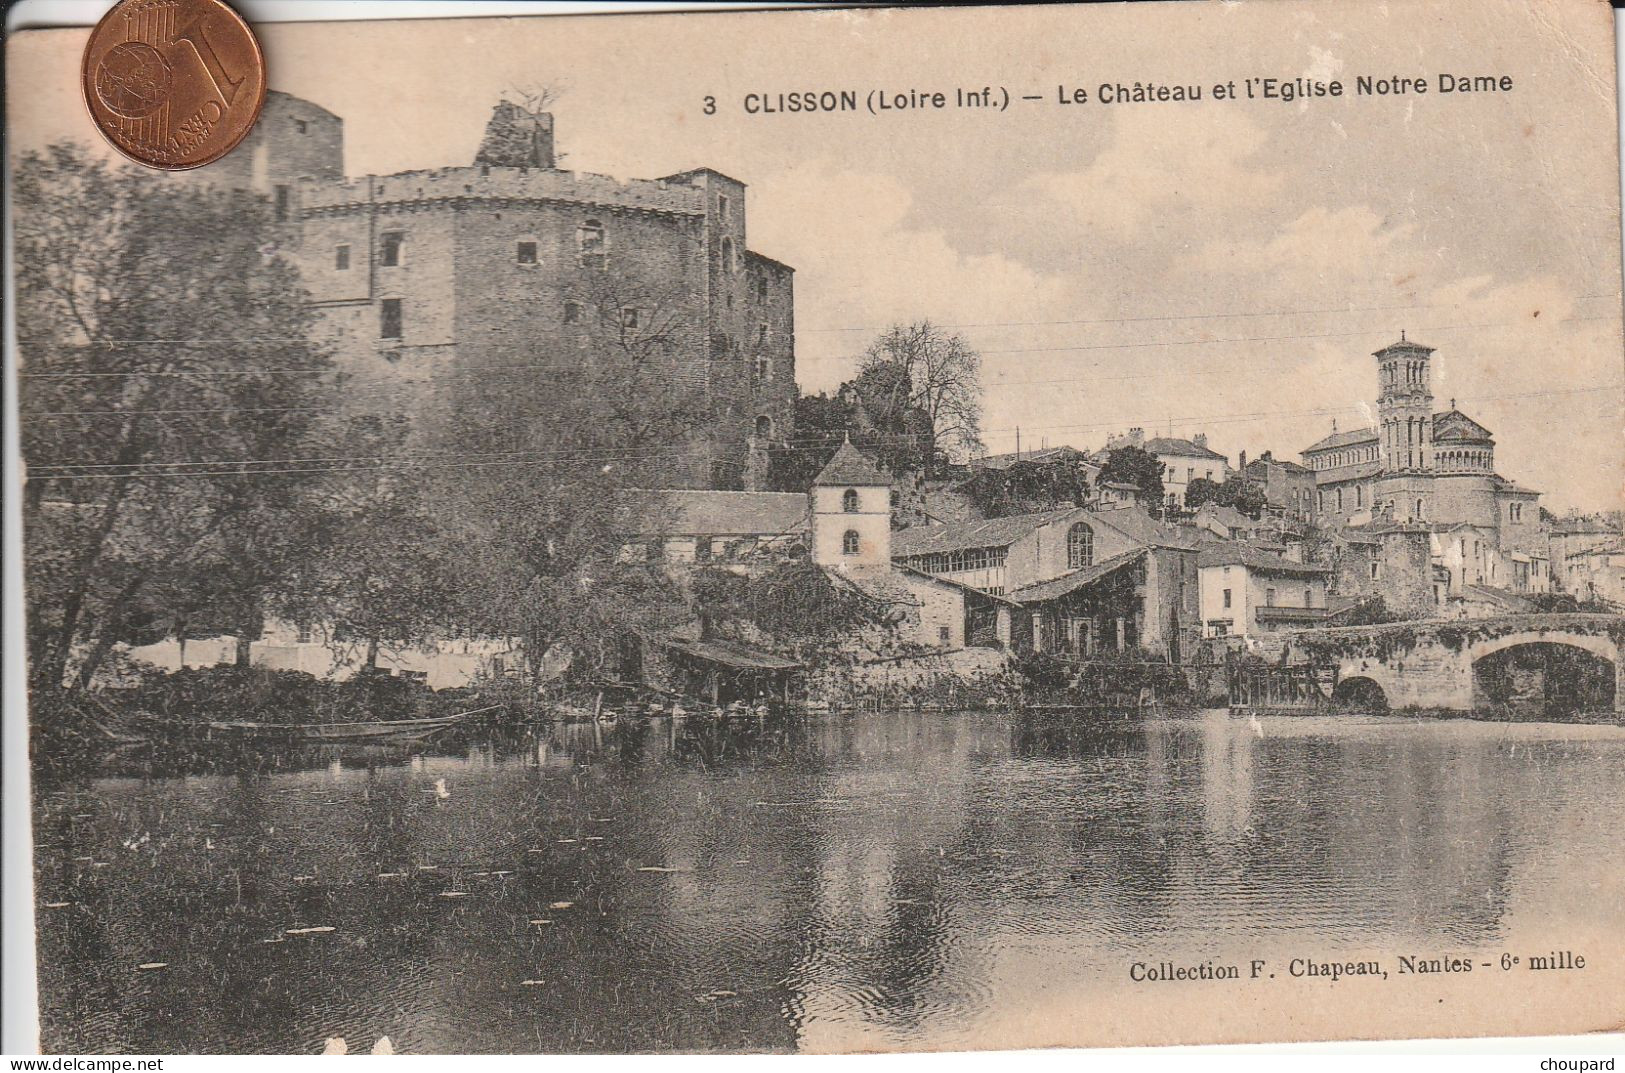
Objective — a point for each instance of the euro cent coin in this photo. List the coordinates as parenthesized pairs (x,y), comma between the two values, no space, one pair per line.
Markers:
(174,84)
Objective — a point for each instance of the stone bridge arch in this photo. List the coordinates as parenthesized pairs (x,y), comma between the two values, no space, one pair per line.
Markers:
(1601,645)
(1431,663)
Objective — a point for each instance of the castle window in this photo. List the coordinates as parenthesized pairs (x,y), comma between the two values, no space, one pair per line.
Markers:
(281,201)
(389,319)
(1418,508)
(341,257)
(764,427)
(389,254)
(525,253)
(1080,547)
(764,368)
(761,288)
(632,317)
(1374,570)
(761,334)
(1269,597)
(702,549)
(1227,597)
(849,542)
(727,255)
(591,245)
(1308,598)
(722,206)
(572,312)
(943,635)
(849,501)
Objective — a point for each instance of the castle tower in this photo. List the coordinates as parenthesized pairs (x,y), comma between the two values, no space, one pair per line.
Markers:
(516,137)
(851,514)
(1405,407)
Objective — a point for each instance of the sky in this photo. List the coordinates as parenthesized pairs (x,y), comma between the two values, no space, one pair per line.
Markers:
(1218,266)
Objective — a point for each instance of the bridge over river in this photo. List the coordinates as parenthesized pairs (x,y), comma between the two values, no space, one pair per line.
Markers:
(1537,665)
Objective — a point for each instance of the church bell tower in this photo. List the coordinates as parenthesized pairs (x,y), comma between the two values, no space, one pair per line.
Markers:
(1405,407)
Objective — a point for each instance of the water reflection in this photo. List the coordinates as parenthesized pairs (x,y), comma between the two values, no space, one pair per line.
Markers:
(870,881)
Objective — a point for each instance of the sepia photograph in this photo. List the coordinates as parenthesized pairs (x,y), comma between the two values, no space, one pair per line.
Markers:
(824,531)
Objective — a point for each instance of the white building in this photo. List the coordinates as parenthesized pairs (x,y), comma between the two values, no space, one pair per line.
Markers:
(1245,591)
(1183,461)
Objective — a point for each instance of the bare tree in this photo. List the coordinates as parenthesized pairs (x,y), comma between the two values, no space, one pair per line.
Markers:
(535,96)
(935,375)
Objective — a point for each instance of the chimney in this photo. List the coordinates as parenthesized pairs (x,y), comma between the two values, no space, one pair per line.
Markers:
(1136,437)
(516,137)
(1200,439)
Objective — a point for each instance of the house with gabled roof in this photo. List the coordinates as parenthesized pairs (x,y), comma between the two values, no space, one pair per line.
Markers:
(1247,590)
(1079,580)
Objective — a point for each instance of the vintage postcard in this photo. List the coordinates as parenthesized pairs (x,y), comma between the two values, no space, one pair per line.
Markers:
(823,530)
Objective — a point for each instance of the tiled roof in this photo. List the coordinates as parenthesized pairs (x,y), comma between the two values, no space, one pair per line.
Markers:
(1286,464)
(850,467)
(1134,523)
(1171,445)
(1580,526)
(1506,484)
(1467,428)
(1229,517)
(1236,553)
(1403,344)
(733,654)
(982,533)
(1502,598)
(1342,439)
(1077,579)
(1337,474)
(909,571)
(1615,548)
(1291,614)
(1043,454)
(690,512)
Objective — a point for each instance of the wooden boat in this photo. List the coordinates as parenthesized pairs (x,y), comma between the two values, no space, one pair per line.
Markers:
(399,730)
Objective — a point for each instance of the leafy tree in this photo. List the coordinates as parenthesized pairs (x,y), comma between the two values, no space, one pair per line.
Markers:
(920,380)
(1201,491)
(171,382)
(1025,486)
(1137,466)
(537,530)
(1235,491)
(1372,611)
(1247,497)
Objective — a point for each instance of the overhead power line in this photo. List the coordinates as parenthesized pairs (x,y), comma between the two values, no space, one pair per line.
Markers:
(343,466)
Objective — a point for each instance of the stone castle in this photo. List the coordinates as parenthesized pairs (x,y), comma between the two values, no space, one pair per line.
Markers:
(503,263)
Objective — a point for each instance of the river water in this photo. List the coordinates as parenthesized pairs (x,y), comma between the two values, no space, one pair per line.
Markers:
(849,882)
